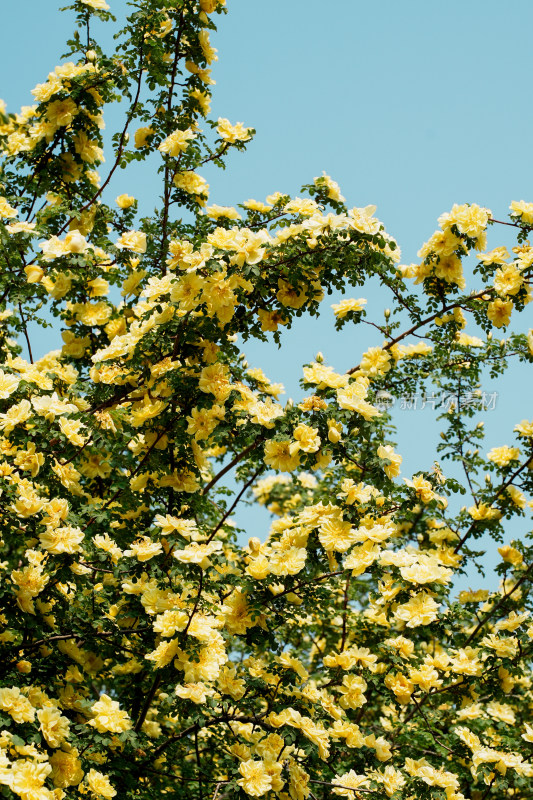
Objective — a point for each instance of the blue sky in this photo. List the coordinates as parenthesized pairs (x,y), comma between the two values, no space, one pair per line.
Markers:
(410,106)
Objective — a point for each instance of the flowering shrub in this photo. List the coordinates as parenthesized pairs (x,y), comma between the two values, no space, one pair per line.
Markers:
(144,651)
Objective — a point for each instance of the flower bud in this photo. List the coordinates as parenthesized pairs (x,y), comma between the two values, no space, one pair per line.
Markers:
(34,273)
(254,545)
(124,201)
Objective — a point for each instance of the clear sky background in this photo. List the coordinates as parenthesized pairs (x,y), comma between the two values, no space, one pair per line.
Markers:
(410,106)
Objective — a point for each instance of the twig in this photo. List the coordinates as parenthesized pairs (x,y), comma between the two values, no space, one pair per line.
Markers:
(148,702)
(236,501)
(232,463)
(25,329)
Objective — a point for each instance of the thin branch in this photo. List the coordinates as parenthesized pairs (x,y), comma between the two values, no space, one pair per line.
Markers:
(236,501)
(232,463)
(498,605)
(345,613)
(429,319)
(501,489)
(121,143)
(148,702)
(25,329)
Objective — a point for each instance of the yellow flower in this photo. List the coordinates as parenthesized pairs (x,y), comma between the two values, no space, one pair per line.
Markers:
(203,100)
(233,133)
(424,490)
(401,686)
(528,735)
(7,211)
(265,412)
(177,142)
(54,727)
(255,779)
(336,534)
(27,779)
(144,549)
(66,769)
(285,561)
(471,220)
(203,421)
(34,273)
(132,240)
(505,647)
(502,456)
(391,779)
(124,201)
(88,149)
(197,692)
(352,398)
(524,428)
(375,362)
(499,312)
(332,188)
(352,689)
(278,455)
(345,784)
(228,212)
(523,210)
(483,511)
(386,452)
(347,306)
(142,135)
(8,384)
(62,112)
(195,553)
(305,439)
(497,256)
(421,609)
(192,183)
(270,319)
(380,745)
(98,783)
(109,716)
(208,6)
(426,570)
(29,460)
(361,557)
(508,280)
(510,554)
(16,705)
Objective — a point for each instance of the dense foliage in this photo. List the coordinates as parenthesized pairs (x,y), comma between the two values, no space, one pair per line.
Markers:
(144,651)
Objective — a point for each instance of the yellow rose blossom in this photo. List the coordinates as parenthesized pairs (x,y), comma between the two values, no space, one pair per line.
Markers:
(502,456)
(142,135)
(14,703)
(66,769)
(255,780)
(125,201)
(346,306)
(278,455)
(386,453)
(177,142)
(522,210)
(132,240)
(499,312)
(108,716)
(421,609)
(233,133)
(98,783)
